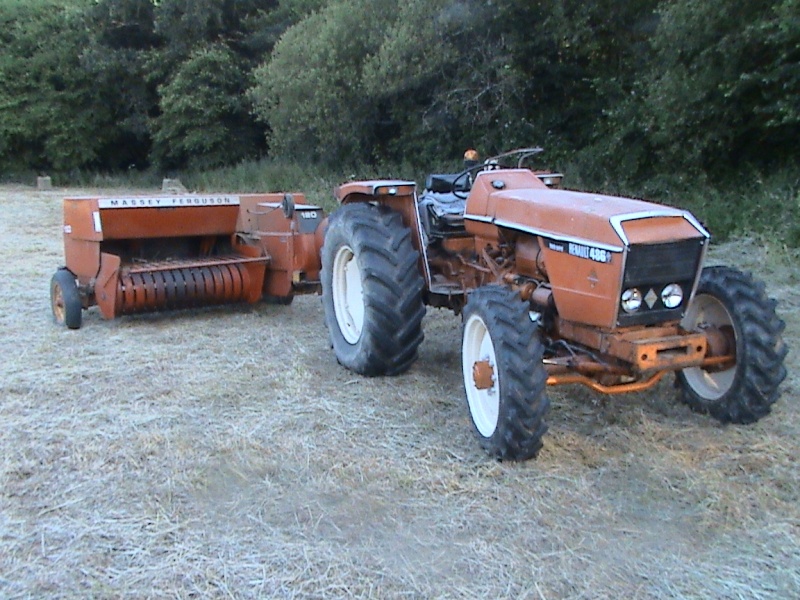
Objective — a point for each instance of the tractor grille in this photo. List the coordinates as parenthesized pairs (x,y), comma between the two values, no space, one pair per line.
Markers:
(655,263)
(650,267)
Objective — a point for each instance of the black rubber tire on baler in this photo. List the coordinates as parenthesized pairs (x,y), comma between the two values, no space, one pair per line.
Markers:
(734,302)
(372,290)
(508,416)
(65,299)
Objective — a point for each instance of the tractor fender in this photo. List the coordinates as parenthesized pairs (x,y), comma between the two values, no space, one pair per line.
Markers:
(372,190)
(397,194)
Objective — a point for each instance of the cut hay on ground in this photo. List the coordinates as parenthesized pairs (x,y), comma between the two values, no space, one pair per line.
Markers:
(224,453)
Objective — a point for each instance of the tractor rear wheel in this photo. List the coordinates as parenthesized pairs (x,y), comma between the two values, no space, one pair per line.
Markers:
(65,300)
(734,305)
(372,290)
(504,377)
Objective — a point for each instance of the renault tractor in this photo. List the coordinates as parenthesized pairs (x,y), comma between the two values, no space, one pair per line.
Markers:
(554,287)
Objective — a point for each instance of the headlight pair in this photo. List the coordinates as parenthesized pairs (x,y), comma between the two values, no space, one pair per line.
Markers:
(632,298)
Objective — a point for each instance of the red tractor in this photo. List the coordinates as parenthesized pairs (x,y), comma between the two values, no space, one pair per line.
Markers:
(554,286)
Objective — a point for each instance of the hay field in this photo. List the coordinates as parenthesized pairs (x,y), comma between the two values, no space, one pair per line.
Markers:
(224,453)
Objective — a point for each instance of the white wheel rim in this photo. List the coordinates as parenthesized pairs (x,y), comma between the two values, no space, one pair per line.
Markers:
(704,311)
(348,294)
(484,404)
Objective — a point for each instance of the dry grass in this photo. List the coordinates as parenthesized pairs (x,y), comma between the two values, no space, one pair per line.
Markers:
(224,453)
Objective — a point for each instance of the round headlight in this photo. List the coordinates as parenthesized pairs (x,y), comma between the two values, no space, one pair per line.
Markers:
(631,300)
(672,295)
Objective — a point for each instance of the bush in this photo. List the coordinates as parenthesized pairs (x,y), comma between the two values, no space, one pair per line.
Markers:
(204,120)
(310,92)
(53,117)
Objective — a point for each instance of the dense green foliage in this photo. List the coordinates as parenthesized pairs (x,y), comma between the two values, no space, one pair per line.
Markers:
(648,94)
(723,87)
(204,119)
(47,100)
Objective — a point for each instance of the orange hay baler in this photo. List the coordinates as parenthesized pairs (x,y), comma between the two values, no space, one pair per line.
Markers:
(148,253)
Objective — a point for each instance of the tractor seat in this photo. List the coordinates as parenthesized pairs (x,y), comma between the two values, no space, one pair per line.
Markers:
(442,212)
(442,183)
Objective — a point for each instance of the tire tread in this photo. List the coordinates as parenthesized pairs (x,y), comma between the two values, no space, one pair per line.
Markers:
(519,352)
(394,309)
(760,351)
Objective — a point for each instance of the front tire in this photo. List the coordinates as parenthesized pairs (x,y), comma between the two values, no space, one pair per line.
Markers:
(734,304)
(372,290)
(65,299)
(504,377)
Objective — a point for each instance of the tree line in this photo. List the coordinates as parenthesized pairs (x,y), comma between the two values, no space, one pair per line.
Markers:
(622,88)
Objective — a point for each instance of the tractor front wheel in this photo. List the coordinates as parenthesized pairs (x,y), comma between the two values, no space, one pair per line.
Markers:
(733,307)
(371,290)
(504,377)
(65,299)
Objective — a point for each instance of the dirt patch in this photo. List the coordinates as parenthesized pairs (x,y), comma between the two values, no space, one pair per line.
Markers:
(224,452)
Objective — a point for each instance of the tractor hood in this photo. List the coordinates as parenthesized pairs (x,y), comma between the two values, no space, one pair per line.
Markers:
(598,220)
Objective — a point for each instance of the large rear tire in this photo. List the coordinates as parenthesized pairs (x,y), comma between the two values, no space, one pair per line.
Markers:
(65,299)
(733,304)
(504,377)
(372,290)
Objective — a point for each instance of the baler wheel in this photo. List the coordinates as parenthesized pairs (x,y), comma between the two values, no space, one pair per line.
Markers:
(372,290)
(735,306)
(65,300)
(504,377)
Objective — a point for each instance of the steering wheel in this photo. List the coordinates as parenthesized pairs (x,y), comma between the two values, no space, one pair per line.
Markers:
(462,194)
(490,164)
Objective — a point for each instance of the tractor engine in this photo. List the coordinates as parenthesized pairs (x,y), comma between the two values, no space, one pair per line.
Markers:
(608,262)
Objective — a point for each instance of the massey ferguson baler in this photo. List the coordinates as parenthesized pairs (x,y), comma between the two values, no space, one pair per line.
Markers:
(555,286)
(148,253)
